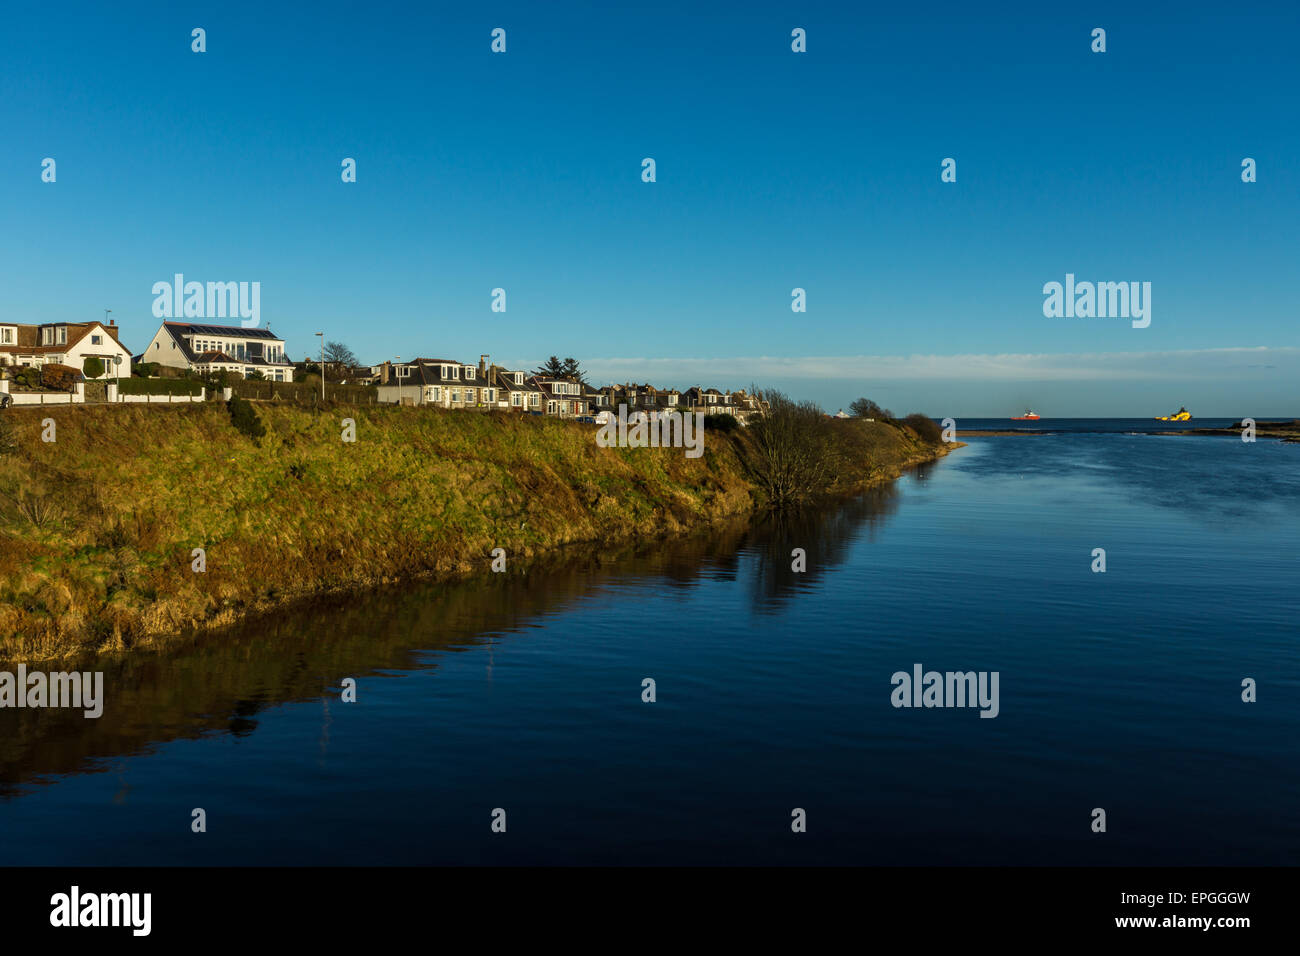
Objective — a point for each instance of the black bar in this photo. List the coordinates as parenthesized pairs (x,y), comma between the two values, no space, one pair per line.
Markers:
(668,905)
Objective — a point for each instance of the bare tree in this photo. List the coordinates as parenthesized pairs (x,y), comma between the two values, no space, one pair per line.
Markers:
(339,358)
(790,451)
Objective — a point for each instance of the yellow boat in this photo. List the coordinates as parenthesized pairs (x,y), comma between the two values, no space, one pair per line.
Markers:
(1182,415)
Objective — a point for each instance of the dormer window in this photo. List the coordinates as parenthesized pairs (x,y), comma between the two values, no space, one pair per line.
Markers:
(519,378)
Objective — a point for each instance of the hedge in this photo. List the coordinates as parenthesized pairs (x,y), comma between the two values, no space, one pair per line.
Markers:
(304,392)
(158,386)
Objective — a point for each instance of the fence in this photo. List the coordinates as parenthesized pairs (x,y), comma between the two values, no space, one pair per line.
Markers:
(161,399)
(78,396)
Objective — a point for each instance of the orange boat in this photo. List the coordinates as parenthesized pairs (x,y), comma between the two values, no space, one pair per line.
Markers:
(1028,416)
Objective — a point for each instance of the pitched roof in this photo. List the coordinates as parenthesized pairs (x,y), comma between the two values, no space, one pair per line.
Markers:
(235,331)
(29,336)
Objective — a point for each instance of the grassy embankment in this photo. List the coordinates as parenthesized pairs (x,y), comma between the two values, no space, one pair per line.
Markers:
(97,528)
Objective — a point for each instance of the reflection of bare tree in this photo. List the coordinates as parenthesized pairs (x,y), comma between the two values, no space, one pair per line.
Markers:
(221,682)
(825,537)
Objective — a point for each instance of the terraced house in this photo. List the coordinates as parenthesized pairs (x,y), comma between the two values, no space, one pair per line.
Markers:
(517,391)
(562,397)
(219,348)
(452,384)
(446,383)
(650,399)
(449,383)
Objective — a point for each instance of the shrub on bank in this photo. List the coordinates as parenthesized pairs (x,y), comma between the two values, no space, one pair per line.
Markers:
(28,378)
(245,419)
(925,427)
(721,423)
(59,377)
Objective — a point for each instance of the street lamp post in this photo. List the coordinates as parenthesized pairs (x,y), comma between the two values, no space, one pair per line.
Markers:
(321,336)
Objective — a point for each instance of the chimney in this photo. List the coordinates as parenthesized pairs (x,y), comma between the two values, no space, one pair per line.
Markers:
(482,367)
(383,372)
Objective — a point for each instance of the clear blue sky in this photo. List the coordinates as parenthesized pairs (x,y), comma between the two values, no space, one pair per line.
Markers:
(775,170)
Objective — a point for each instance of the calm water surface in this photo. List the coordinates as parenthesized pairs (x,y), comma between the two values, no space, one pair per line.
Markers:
(1118,690)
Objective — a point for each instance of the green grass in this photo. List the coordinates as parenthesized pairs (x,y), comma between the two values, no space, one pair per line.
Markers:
(97,528)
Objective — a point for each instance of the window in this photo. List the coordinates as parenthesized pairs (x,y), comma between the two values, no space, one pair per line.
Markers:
(469,396)
(63,334)
(492,395)
(469,373)
(519,378)
(7,336)
(550,408)
(435,393)
(534,399)
(96,340)
(516,399)
(455,395)
(403,372)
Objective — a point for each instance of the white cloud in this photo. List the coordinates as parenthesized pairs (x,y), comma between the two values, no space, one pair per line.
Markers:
(1224,363)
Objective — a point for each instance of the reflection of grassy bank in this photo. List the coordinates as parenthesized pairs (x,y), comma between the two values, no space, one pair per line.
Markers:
(190,685)
(97,528)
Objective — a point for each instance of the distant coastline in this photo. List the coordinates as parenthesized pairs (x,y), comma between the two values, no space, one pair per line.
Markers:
(1287,430)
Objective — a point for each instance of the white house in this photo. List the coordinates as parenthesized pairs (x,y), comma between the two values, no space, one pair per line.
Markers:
(219,348)
(65,343)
